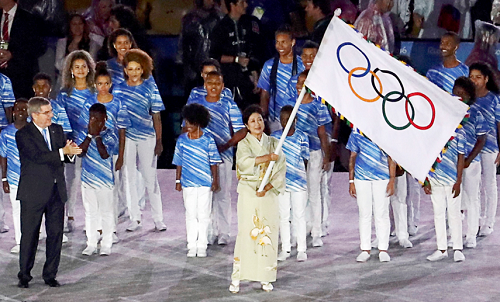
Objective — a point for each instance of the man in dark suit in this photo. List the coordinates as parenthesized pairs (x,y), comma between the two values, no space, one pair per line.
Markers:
(19,30)
(42,189)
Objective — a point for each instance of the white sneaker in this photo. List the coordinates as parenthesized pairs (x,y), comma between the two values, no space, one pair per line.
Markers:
(485,231)
(267,286)
(65,239)
(115,238)
(317,242)
(437,255)
(89,250)
(283,255)
(384,257)
(105,251)
(471,243)
(15,249)
(223,239)
(133,226)
(160,226)
(405,243)
(191,253)
(211,239)
(375,243)
(363,257)
(201,253)
(458,256)
(324,230)
(301,256)
(234,287)
(412,230)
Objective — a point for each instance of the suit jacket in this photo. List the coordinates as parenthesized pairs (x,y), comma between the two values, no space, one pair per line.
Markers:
(40,167)
(26,46)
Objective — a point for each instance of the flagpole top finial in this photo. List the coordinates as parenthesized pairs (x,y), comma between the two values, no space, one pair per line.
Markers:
(337,12)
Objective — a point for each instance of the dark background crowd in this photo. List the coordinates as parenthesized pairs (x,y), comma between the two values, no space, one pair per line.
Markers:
(179,35)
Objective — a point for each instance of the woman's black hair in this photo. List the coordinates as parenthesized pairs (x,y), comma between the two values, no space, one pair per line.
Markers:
(486,71)
(249,111)
(468,86)
(126,17)
(101,69)
(210,62)
(196,114)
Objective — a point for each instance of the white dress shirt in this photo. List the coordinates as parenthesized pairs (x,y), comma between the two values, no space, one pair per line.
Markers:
(11,13)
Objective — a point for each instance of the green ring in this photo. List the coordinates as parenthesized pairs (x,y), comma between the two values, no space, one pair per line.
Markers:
(385,115)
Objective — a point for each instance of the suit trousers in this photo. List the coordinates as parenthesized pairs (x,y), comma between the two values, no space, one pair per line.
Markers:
(16,213)
(442,202)
(31,218)
(489,198)
(140,158)
(99,214)
(372,199)
(198,205)
(471,182)
(400,208)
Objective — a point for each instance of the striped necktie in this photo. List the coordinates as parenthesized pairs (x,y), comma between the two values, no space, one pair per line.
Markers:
(5,28)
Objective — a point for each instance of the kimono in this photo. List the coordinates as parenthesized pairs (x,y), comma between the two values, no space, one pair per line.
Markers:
(256,246)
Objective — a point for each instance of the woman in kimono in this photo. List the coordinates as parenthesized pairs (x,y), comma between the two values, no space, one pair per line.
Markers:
(256,246)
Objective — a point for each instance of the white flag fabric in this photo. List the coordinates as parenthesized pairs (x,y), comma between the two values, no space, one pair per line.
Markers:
(406,115)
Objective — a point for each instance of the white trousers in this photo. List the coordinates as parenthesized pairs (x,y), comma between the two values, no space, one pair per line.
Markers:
(2,209)
(314,174)
(489,198)
(296,203)
(73,174)
(400,208)
(16,213)
(99,212)
(326,197)
(372,199)
(198,204)
(442,202)
(140,154)
(221,207)
(413,200)
(470,196)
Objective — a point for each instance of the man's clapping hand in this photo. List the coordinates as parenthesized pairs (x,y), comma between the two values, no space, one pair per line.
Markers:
(71,148)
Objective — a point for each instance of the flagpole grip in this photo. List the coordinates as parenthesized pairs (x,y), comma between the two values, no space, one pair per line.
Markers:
(282,139)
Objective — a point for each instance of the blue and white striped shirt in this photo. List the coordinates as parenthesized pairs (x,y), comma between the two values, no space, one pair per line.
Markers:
(311,116)
(371,162)
(445,78)
(473,128)
(291,90)
(60,116)
(141,101)
(224,117)
(97,173)
(446,171)
(115,111)
(73,105)
(8,149)
(195,156)
(8,99)
(282,78)
(296,149)
(489,106)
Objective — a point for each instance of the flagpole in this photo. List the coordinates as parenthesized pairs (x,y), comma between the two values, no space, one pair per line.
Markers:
(283,136)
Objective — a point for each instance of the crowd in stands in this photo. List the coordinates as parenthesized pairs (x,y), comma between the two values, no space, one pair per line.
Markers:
(241,94)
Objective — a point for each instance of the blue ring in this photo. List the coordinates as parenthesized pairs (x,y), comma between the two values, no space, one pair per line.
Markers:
(368,68)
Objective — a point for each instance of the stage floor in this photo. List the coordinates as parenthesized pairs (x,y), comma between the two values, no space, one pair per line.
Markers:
(151,266)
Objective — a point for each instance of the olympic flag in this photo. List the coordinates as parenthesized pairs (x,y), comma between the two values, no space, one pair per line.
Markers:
(406,115)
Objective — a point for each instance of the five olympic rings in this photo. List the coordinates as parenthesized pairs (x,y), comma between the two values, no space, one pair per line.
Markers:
(393,96)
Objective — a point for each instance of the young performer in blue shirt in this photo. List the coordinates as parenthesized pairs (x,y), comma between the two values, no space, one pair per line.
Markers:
(78,86)
(225,119)
(98,179)
(371,181)
(276,74)
(312,117)
(294,199)
(143,137)
(196,158)
(488,102)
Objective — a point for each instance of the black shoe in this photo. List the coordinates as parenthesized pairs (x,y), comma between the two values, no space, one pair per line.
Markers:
(52,283)
(23,284)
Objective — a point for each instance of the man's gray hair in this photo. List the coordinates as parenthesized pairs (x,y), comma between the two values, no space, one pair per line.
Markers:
(35,103)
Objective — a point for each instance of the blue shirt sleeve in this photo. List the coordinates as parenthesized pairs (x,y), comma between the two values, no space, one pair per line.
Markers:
(264,79)
(324,116)
(304,146)
(156,102)
(481,126)
(461,141)
(3,144)
(235,115)
(178,152)
(110,140)
(213,153)
(8,98)
(352,143)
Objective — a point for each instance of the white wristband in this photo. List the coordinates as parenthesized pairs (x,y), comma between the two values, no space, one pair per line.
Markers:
(89,136)
(351,181)
(334,140)
(236,59)
(177,181)
(4,179)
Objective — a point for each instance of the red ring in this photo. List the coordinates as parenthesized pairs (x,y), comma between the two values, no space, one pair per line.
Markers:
(432,107)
